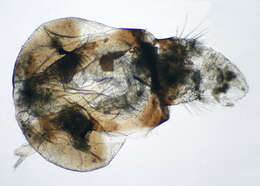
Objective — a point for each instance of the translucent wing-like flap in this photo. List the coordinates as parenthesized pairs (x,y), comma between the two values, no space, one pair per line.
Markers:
(23,152)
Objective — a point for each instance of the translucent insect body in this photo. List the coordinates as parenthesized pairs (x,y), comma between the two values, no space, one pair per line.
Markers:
(81,87)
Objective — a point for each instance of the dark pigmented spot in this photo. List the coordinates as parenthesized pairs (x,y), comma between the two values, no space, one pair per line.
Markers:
(229,75)
(222,89)
(107,61)
(76,124)
(65,67)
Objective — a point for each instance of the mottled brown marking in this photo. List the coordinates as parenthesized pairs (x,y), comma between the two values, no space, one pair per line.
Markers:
(107,63)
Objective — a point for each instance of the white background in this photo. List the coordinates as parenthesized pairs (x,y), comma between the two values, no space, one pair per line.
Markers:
(213,148)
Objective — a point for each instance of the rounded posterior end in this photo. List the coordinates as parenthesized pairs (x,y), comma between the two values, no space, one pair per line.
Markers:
(236,87)
(222,82)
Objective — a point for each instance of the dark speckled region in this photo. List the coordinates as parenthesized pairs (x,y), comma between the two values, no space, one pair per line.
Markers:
(32,92)
(76,124)
(223,89)
(65,67)
(229,75)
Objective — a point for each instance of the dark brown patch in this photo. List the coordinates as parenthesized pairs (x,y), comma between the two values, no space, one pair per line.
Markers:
(64,68)
(32,92)
(221,89)
(138,35)
(107,61)
(229,75)
(75,123)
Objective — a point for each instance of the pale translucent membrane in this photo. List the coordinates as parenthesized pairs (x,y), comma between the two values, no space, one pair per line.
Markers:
(23,152)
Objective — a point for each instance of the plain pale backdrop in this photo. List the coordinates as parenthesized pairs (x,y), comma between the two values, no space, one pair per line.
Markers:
(212,148)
